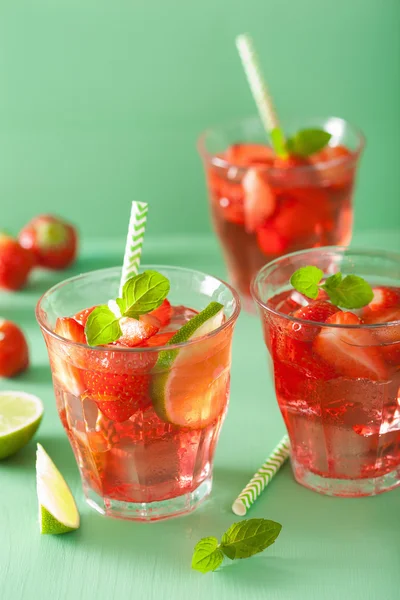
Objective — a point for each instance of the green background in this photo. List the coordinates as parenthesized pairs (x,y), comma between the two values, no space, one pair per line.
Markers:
(101,101)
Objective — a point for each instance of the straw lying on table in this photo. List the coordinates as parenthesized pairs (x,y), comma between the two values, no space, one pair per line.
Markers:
(134,241)
(261,479)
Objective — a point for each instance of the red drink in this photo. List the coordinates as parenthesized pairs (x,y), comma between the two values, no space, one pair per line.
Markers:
(143,434)
(337,376)
(263,207)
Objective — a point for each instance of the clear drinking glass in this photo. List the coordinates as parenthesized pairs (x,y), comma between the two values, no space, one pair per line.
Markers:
(292,205)
(337,386)
(158,462)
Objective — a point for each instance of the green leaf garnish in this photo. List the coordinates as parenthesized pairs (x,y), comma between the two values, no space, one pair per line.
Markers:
(206,555)
(306,280)
(278,142)
(308,141)
(140,295)
(241,540)
(246,538)
(143,293)
(102,327)
(348,292)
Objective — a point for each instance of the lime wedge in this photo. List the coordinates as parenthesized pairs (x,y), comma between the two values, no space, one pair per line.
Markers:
(20,416)
(191,386)
(57,509)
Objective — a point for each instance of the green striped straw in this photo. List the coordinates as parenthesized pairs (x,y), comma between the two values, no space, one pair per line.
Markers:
(261,479)
(261,94)
(134,242)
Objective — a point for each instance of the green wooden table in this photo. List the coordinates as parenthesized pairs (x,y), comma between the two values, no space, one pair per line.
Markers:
(329,548)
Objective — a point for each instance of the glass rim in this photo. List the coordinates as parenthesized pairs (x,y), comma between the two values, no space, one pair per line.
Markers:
(223,163)
(343,249)
(136,349)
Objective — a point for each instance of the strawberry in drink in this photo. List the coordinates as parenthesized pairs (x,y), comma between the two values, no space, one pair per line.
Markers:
(336,361)
(141,392)
(264,206)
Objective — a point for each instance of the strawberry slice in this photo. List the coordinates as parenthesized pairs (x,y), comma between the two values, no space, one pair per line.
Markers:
(246,155)
(297,218)
(318,311)
(227,196)
(384,297)
(70,329)
(259,200)
(270,241)
(83,315)
(296,352)
(118,394)
(389,336)
(69,376)
(120,411)
(136,331)
(352,352)
(160,339)
(163,313)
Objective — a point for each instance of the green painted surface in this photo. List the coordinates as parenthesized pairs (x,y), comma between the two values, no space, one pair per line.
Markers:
(329,548)
(101,101)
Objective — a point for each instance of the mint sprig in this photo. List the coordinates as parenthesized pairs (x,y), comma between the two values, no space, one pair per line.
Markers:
(102,327)
(308,141)
(143,293)
(140,295)
(349,292)
(241,540)
(207,555)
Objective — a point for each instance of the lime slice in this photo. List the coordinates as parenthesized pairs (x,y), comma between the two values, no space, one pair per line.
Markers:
(190,389)
(20,416)
(57,509)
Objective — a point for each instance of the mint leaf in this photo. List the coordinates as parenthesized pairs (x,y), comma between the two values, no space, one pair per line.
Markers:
(278,142)
(332,282)
(102,327)
(206,555)
(143,293)
(249,537)
(350,292)
(308,141)
(306,279)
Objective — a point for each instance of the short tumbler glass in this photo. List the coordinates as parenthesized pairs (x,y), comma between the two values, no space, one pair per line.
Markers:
(290,206)
(158,462)
(341,407)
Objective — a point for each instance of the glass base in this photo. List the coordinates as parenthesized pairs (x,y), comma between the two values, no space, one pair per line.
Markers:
(149,511)
(346,488)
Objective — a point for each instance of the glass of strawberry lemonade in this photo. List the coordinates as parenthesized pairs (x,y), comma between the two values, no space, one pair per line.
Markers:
(335,350)
(264,206)
(141,394)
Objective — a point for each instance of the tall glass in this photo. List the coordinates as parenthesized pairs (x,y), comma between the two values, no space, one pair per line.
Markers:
(338,386)
(158,462)
(298,204)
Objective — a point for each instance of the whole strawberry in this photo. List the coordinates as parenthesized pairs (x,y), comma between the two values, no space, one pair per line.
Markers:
(16,263)
(53,241)
(14,354)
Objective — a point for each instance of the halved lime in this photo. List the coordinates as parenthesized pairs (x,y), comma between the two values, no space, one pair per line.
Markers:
(191,387)
(57,509)
(20,416)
